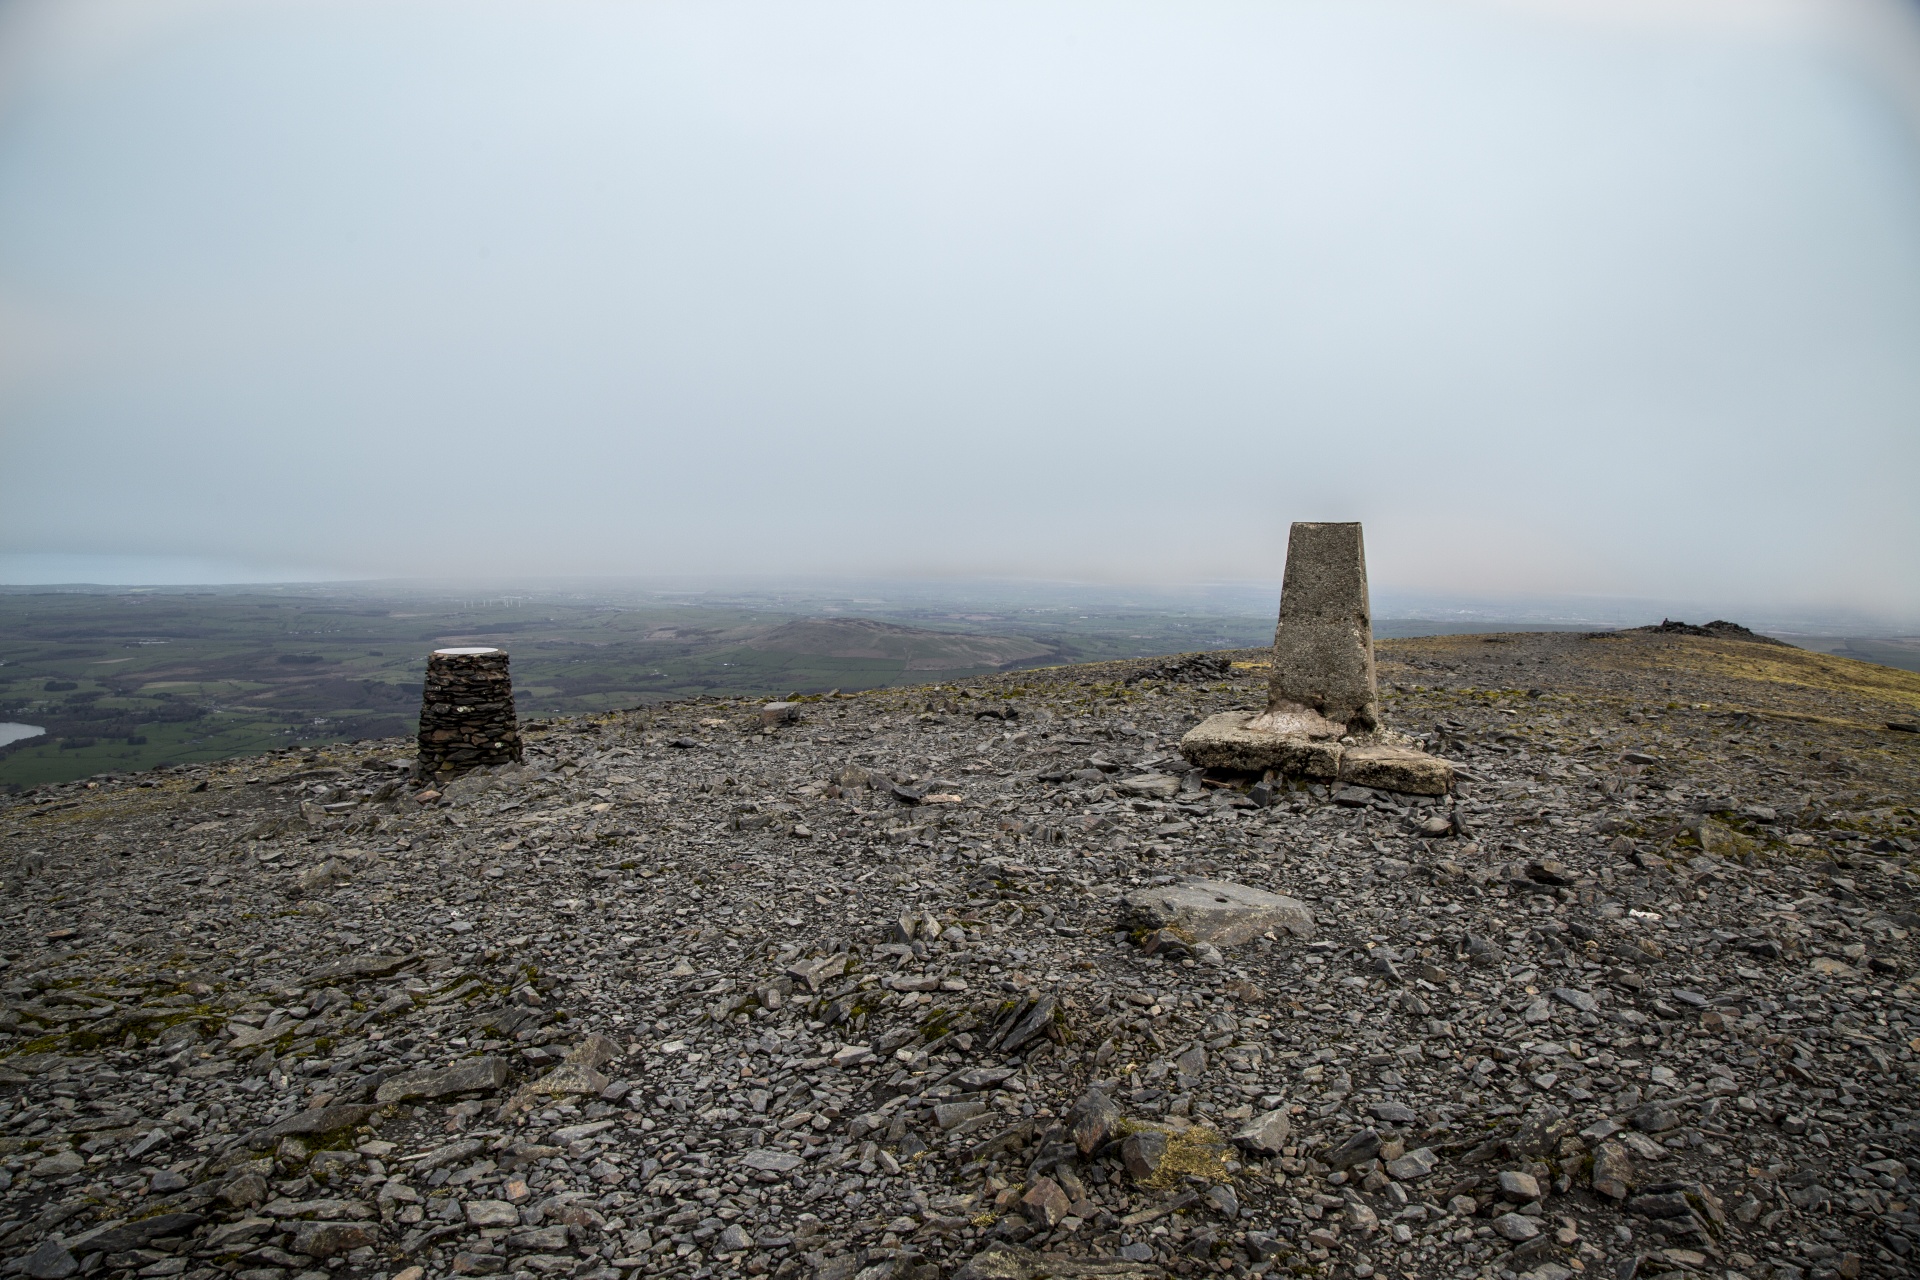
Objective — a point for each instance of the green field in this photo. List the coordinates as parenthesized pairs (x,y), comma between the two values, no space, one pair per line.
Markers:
(128,679)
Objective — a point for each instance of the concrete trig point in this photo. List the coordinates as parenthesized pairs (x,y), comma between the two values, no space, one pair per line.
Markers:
(1322,719)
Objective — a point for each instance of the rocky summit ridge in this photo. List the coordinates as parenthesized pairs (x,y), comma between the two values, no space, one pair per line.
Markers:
(982,980)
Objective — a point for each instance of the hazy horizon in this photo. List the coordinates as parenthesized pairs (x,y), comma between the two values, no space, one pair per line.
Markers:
(1581,301)
(1253,598)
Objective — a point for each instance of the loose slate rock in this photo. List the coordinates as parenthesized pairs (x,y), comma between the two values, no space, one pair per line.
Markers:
(1002,1261)
(359,967)
(616,894)
(1037,1021)
(1413,1166)
(1154,786)
(1216,911)
(316,1120)
(1362,1146)
(1265,1133)
(50,1261)
(1516,1227)
(768,1160)
(331,1239)
(1092,1121)
(1393,1113)
(136,1234)
(470,1075)
(1613,1173)
(1142,1153)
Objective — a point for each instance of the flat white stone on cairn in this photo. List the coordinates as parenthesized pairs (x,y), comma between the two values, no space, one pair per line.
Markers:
(1322,719)
(467,718)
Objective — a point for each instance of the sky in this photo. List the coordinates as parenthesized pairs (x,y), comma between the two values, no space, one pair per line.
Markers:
(1557,296)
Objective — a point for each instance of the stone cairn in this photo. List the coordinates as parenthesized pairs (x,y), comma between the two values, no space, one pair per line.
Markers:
(466,716)
(1322,718)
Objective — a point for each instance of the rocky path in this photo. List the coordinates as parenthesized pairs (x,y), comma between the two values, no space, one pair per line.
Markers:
(843,990)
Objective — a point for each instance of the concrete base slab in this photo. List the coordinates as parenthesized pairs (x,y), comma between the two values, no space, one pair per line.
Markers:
(1216,911)
(1390,768)
(1291,721)
(1234,740)
(1226,741)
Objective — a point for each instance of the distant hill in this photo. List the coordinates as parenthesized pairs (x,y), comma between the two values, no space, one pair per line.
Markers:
(920,649)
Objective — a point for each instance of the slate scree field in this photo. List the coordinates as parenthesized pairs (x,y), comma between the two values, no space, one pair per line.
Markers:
(1476,956)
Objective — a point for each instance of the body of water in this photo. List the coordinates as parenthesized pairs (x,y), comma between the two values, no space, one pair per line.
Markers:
(10,732)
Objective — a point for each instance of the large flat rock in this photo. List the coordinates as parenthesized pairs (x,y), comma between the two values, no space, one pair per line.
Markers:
(1216,911)
(1389,768)
(1229,740)
(1224,741)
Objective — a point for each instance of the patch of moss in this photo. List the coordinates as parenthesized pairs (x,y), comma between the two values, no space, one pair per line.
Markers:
(1197,1151)
(44,1044)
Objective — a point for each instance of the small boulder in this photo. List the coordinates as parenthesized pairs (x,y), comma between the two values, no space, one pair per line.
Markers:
(1516,1227)
(492,1213)
(1216,911)
(769,1160)
(50,1261)
(1665,1204)
(1045,1204)
(1151,786)
(1266,1133)
(1358,1148)
(1413,1166)
(1393,1113)
(1092,1121)
(1518,1185)
(1613,1174)
(61,1164)
(1142,1153)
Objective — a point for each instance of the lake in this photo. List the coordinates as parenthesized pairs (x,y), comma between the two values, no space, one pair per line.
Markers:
(10,732)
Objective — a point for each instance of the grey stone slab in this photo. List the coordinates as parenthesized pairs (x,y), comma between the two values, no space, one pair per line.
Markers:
(466,1076)
(1229,741)
(1216,911)
(1392,768)
(1266,1133)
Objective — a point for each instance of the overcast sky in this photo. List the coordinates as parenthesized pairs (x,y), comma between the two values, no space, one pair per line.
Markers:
(1557,297)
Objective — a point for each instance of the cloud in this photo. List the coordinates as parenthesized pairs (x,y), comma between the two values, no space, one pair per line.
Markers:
(1069,289)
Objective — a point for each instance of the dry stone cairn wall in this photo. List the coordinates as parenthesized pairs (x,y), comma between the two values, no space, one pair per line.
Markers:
(467,718)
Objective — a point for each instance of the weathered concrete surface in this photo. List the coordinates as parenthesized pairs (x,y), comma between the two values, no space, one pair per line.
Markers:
(1230,740)
(1296,722)
(1216,911)
(1323,647)
(1225,741)
(1388,768)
